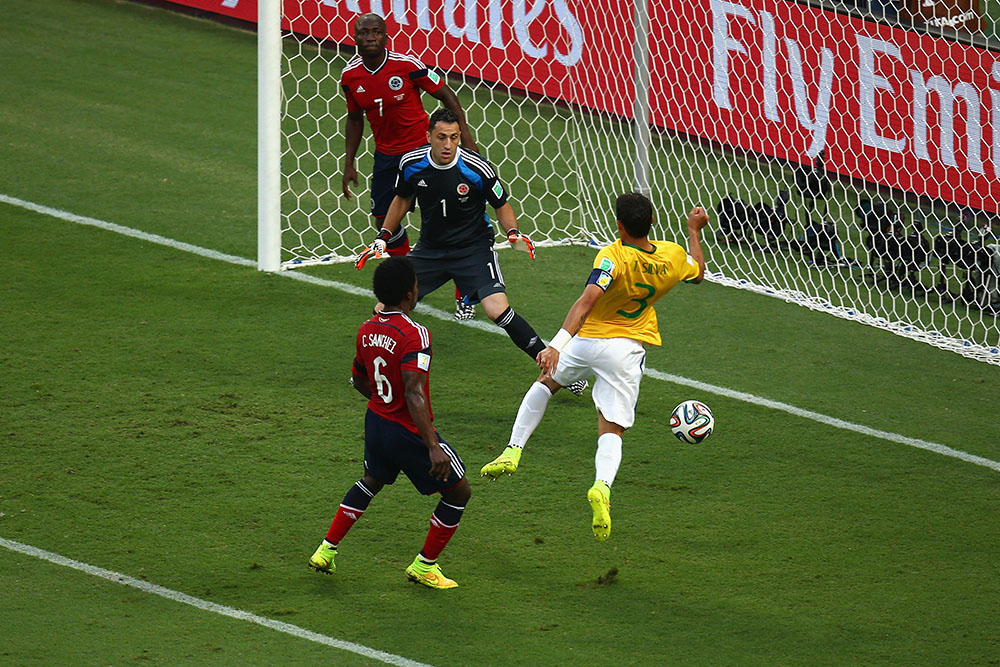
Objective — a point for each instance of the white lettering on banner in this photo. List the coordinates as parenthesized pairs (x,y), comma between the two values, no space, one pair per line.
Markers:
(230,4)
(572,26)
(770,57)
(496,24)
(471,29)
(722,44)
(868,83)
(952,21)
(399,11)
(946,119)
(354,6)
(818,125)
(521,21)
(423,15)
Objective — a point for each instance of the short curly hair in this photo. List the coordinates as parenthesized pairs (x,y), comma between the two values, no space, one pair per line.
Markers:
(393,280)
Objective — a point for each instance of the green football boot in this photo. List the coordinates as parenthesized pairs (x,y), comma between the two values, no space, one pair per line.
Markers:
(322,559)
(505,463)
(599,497)
(428,575)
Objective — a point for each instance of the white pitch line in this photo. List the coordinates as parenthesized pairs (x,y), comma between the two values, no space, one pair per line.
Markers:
(490,328)
(824,419)
(213,607)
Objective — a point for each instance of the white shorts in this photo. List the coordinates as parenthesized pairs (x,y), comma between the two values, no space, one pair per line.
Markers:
(617,363)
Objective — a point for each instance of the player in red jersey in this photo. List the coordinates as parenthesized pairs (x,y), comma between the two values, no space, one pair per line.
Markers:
(391,370)
(386,87)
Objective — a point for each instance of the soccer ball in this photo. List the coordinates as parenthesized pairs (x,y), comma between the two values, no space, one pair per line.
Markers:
(692,422)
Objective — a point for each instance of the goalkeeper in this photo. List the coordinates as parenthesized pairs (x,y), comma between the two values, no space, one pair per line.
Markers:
(605,334)
(452,186)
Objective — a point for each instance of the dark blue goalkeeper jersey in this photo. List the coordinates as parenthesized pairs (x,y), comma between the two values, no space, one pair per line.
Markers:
(452,200)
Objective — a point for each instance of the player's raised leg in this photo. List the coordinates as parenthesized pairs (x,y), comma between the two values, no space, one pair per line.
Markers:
(521,333)
(529,416)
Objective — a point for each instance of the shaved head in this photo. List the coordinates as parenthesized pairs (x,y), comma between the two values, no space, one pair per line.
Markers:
(370,16)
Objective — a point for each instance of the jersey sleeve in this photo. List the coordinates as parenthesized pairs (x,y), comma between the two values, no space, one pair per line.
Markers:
(427,79)
(494,191)
(416,356)
(404,188)
(603,272)
(352,104)
(689,268)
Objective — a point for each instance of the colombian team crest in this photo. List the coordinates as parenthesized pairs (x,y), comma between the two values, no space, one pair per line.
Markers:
(463,189)
(395,82)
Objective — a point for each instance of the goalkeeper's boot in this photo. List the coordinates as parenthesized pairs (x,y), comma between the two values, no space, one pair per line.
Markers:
(322,560)
(599,497)
(464,310)
(429,575)
(578,387)
(505,463)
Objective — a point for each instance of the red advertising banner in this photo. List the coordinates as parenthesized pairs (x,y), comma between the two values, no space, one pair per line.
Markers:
(245,10)
(889,106)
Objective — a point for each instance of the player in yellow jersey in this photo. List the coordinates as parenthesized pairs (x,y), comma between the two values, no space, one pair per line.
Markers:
(604,334)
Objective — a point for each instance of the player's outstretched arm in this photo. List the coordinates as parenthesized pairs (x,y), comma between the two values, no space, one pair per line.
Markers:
(548,358)
(697,219)
(354,127)
(420,412)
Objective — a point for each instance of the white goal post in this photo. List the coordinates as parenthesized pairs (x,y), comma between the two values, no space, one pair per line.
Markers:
(848,160)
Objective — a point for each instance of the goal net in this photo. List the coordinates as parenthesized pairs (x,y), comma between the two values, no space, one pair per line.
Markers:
(847,159)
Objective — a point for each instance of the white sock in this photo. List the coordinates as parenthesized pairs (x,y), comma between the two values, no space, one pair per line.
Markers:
(530,414)
(608,458)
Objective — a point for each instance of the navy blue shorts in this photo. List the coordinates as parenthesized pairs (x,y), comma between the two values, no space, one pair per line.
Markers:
(477,275)
(384,183)
(391,447)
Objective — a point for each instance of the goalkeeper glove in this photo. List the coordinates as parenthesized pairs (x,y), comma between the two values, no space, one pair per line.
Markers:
(519,241)
(375,251)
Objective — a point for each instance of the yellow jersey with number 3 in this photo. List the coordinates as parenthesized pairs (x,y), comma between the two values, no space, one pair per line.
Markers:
(633,280)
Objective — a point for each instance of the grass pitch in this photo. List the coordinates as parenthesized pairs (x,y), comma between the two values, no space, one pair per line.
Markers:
(187,422)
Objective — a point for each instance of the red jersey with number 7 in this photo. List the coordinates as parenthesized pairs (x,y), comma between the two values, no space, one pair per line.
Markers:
(390,98)
(389,343)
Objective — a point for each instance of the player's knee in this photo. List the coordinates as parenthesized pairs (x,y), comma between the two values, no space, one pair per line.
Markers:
(549,383)
(371,483)
(458,494)
(496,307)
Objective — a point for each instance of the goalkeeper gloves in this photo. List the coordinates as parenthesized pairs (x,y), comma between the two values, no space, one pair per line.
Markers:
(519,241)
(375,251)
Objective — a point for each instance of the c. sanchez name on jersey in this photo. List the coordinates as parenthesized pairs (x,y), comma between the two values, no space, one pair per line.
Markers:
(452,199)
(633,280)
